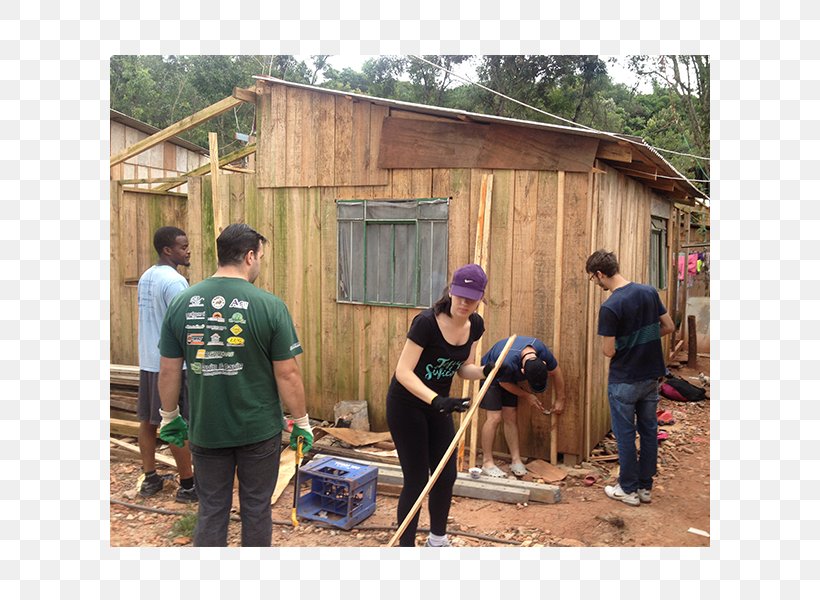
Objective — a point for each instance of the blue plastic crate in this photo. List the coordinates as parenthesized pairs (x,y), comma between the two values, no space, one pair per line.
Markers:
(342,492)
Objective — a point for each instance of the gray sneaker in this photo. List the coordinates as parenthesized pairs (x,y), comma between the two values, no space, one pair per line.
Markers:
(616,493)
(188,496)
(645,496)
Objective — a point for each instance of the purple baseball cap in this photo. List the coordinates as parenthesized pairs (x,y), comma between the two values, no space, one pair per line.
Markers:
(469,281)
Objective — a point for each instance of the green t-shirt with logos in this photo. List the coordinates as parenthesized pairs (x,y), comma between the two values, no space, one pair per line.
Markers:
(229,331)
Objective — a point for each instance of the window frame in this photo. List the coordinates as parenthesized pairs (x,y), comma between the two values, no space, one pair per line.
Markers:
(393,222)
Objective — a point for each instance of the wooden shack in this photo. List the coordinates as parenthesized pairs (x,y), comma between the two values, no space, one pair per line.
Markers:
(370,204)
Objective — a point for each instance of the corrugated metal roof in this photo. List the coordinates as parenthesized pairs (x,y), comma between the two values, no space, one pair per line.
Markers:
(644,149)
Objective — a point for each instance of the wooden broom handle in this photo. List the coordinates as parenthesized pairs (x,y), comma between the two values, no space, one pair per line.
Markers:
(464,424)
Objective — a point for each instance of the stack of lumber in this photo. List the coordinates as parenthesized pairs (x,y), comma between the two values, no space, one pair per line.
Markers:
(125,380)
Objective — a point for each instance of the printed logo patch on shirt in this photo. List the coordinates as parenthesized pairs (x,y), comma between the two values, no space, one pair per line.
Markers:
(200,354)
(196,301)
(195,326)
(218,302)
(236,330)
(217,317)
(196,339)
(235,303)
(196,368)
(237,318)
(189,316)
(236,341)
(216,340)
(295,346)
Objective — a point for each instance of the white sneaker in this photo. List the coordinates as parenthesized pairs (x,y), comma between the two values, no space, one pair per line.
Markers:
(616,493)
(645,496)
(445,544)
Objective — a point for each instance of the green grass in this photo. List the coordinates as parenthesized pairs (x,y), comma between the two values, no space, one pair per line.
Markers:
(184,527)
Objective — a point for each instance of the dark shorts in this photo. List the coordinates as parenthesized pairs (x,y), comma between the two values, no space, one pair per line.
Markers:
(496,397)
(148,403)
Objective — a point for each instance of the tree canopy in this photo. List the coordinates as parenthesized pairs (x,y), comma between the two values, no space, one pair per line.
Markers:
(674,115)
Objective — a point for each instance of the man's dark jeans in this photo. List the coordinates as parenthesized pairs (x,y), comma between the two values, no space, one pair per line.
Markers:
(633,406)
(257,467)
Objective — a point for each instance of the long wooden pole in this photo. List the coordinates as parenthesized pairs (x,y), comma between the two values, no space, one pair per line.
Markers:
(480,257)
(470,414)
(559,278)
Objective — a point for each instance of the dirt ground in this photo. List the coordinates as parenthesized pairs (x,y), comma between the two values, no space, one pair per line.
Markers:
(584,517)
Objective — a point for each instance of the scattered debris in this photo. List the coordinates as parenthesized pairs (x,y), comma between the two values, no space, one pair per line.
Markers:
(614,520)
(698,532)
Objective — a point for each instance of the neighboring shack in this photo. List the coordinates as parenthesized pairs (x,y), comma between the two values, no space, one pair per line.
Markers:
(355,273)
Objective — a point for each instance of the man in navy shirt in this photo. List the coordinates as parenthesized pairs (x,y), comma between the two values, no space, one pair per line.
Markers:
(631,321)
(523,374)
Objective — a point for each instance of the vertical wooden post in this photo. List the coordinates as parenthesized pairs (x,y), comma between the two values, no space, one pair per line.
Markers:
(213,143)
(480,257)
(559,279)
(691,325)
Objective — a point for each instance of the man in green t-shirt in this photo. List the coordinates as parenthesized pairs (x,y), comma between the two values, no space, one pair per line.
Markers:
(240,347)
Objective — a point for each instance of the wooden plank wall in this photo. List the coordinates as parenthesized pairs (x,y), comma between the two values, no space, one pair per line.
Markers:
(134,218)
(315,139)
(351,350)
(623,224)
(163,160)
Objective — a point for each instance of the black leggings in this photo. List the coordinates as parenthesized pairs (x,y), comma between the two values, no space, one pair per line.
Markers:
(422,436)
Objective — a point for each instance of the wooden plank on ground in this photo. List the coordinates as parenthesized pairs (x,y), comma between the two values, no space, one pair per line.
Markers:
(465,486)
(160,458)
(287,468)
(545,471)
(123,427)
(355,437)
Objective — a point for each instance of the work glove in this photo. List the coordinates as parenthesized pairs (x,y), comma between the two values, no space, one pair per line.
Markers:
(487,368)
(301,427)
(444,404)
(173,428)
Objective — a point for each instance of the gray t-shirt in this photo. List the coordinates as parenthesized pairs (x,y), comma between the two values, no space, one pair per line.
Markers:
(156,288)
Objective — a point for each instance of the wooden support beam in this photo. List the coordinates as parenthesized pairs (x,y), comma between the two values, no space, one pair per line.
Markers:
(155,192)
(245,94)
(666,185)
(227,159)
(617,151)
(559,276)
(237,169)
(216,203)
(179,179)
(185,124)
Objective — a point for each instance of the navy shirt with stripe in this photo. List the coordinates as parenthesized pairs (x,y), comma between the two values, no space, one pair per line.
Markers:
(632,316)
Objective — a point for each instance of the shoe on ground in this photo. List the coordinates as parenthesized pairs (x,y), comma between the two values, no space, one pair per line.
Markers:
(518,469)
(188,496)
(153,485)
(616,493)
(493,471)
(446,544)
(645,496)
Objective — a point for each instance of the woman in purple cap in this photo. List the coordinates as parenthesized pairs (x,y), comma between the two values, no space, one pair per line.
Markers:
(440,343)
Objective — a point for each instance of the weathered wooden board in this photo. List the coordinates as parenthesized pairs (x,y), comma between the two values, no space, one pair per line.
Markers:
(416,144)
